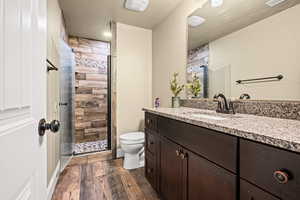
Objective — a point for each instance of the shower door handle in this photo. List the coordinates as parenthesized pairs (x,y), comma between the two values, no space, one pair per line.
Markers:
(52,126)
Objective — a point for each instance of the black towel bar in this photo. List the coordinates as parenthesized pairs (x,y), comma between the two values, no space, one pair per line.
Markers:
(277,78)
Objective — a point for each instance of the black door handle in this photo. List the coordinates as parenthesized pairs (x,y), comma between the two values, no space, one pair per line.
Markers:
(52,126)
(63,104)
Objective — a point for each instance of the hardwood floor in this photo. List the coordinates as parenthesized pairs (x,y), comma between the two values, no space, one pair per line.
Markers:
(95,178)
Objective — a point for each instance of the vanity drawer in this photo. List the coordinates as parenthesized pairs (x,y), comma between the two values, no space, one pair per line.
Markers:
(151,141)
(251,192)
(150,121)
(214,146)
(150,170)
(259,164)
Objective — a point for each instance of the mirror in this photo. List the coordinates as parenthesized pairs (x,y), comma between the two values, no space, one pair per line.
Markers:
(250,47)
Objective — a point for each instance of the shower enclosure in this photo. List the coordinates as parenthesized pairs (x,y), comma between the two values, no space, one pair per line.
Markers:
(92,95)
(66,104)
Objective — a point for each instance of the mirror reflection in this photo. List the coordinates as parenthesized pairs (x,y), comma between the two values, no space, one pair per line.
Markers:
(246,49)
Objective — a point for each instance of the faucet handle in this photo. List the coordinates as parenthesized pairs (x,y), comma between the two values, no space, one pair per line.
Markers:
(231,107)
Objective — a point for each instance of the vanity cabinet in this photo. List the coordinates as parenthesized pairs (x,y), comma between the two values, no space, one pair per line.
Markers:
(188,162)
(183,169)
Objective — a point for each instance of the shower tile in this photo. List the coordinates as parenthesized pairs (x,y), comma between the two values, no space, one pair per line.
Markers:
(88,147)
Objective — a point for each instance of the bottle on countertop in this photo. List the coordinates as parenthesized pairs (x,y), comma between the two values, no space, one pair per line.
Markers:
(157,102)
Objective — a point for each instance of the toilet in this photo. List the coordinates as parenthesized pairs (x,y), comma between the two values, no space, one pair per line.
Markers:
(132,145)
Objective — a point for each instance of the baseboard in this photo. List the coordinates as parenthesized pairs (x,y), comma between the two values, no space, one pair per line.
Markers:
(66,164)
(120,153)
(53,181)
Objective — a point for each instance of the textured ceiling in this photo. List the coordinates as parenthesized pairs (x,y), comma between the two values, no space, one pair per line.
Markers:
(90,18)
(232,16)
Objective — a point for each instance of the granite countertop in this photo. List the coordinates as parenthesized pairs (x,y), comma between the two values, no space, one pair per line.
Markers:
(283,133)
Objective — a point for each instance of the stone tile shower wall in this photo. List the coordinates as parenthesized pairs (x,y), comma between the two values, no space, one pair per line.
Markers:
(91,89)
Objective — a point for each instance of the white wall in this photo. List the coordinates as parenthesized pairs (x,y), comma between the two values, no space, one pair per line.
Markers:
(170,49)
(134,76)
(267,48)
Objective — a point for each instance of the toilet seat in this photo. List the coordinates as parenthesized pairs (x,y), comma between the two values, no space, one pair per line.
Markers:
(133,138)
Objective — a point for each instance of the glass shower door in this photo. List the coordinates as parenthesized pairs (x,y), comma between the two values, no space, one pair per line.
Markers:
(67,91)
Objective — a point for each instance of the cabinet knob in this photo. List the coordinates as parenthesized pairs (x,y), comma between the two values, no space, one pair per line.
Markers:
(281,176)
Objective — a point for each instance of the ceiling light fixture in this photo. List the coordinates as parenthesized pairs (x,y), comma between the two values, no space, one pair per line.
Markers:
(216,3)
(194,21)
(137,5)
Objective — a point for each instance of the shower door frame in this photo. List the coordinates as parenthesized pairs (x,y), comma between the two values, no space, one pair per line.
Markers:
(109,124)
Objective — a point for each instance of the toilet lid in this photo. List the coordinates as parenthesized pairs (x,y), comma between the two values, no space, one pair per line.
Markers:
(134,136)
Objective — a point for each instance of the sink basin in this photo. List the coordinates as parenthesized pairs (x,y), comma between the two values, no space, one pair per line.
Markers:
(205,116)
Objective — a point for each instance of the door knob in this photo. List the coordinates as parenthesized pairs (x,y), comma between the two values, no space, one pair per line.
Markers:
(52,126)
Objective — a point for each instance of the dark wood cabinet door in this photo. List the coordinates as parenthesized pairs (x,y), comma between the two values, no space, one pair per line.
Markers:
(207,181)
(250,192)
(170,171)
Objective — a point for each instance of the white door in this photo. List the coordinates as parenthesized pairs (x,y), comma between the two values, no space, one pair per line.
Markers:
(22,99)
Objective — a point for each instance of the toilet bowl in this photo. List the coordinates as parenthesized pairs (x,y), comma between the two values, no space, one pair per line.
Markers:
(132,145)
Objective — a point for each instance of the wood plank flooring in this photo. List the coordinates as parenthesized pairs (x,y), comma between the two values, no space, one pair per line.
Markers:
(95,178)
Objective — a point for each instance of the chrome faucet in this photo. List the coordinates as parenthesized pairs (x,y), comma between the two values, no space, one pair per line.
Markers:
(223,105)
